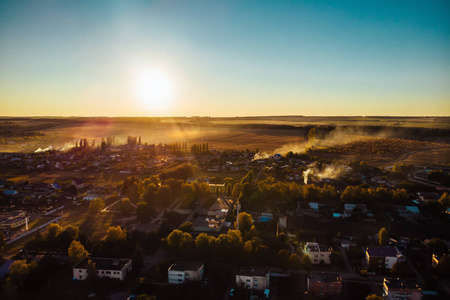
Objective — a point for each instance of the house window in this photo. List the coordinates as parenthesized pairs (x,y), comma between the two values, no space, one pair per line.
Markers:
(80,271)
(108,272)
(81,277)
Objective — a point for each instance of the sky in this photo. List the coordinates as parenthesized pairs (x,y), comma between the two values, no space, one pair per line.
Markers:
(224,58)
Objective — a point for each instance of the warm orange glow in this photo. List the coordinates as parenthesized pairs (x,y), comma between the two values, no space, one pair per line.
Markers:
(154,91)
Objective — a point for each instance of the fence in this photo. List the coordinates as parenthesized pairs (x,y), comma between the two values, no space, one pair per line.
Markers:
(33,230)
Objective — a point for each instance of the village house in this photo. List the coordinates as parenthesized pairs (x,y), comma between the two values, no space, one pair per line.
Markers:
(319,254)
(253,278)
(181,272)
(383,257)
(324,284)
(116,268)
(394,289)
(220,207)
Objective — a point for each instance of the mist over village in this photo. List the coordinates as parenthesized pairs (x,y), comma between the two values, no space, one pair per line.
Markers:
(224,150)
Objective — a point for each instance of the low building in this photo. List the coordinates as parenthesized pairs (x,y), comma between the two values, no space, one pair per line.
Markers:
(408,212)
(116,268)
(383,257)
(253,278)
(351,209)
(208,224)
(319,254)
(220,208)
(394,289)
(181,272)
(217,188)
(324,284)
(13,219)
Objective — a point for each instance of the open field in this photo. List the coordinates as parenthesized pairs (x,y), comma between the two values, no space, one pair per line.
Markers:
(381,140)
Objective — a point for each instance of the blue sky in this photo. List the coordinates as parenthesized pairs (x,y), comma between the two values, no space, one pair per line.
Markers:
(226,58)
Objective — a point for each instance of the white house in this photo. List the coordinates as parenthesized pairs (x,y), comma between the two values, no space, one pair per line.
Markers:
(253,278)
(116,268)
(181,272)
(318,253)
(383,257)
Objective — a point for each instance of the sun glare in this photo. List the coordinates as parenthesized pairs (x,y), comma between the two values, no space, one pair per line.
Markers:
(154,91)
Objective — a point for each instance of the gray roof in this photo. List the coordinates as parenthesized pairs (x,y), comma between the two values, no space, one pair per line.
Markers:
(382,251)
(186,266)
(103,263)
(253,271)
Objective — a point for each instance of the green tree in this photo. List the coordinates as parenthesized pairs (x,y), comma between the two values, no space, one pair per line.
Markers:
(400,269)
(95,206)
(20,269)
(164,194)
(445,199)
(115,233)
(443,266)
(186,227)
(383,237)
(77,252)
(248,178)
(143,212)
(245,222)
(178,241)
(374,297)
(294,262)
(283,259)
(69,234)
(204,242)
(306,263)
(336,259)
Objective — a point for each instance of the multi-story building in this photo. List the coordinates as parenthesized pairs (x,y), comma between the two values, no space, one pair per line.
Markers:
(253,278)
(319,254)
(324,284)
(383,257)
(397,289)
(116,268)
(182,271)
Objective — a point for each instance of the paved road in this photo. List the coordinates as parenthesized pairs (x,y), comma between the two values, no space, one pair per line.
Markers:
(347,262)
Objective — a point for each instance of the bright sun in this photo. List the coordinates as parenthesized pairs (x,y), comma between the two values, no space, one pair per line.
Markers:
(154,90)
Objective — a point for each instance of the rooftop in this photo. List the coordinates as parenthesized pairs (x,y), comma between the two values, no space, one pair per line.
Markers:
(399,284)
(325,277)
(186,266)
(382,251)
(253,271)
(103,263)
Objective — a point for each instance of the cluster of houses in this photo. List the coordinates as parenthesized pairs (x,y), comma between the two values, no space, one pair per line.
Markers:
(12,220)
